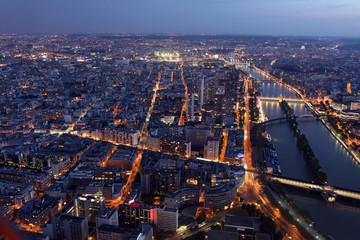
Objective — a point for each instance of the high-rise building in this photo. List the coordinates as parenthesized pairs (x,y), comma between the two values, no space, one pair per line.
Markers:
(202,92)
(210,86)
(190,106)
(111,232)
(88,206)
(197,136)
(64,225)
(164,218)
(67,227)
(160,180)
(153,143)
(211,148)
(167,219)
(140,213)
(109,216)
(175,146)
(223,103)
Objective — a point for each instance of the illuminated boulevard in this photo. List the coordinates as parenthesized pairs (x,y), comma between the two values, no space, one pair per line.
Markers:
(251,189)
(136,165)
(184,107)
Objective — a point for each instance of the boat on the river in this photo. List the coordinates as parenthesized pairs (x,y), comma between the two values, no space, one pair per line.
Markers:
(328,194)
(271,161)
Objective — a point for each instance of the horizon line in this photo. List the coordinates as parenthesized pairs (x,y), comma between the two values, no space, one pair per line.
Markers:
(178,34)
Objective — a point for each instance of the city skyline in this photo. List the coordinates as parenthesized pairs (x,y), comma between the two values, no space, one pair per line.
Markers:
(261,17)
(179,119)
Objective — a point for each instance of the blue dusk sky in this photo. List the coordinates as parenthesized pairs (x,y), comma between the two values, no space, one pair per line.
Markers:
(240,17)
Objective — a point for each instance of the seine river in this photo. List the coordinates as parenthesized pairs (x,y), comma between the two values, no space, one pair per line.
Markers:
(339,220)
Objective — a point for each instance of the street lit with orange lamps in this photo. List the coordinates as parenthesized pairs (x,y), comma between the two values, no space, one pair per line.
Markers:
(184,107)
(127,187)
(136,165)
(247,143)
(115,110)
(223,147)
(251,190)
(143,132)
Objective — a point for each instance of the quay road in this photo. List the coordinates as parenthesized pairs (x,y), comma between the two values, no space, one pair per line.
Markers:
(298,218)
(252,191)
(136,165)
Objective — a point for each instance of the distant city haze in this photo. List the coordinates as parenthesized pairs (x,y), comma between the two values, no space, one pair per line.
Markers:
(243,17)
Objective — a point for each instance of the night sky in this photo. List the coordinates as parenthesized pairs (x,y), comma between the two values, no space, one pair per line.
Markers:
(244,17)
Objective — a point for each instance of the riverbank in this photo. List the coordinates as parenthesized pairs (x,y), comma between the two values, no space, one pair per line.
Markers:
(347,148)
(277,80)
(283,209)
(332,219)
(312,108)
(332,131)
(287,211)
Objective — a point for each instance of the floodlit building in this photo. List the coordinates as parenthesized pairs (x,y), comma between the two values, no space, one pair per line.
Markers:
(88,206)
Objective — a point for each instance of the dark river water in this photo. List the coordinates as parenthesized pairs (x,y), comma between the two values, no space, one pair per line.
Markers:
(338,220)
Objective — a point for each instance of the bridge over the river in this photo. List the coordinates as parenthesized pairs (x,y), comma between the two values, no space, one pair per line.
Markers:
(348,193)
(284,119)
(316,187)
(278,99)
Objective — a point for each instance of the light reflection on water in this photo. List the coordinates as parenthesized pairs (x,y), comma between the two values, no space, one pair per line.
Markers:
(338,220)
(339,165)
